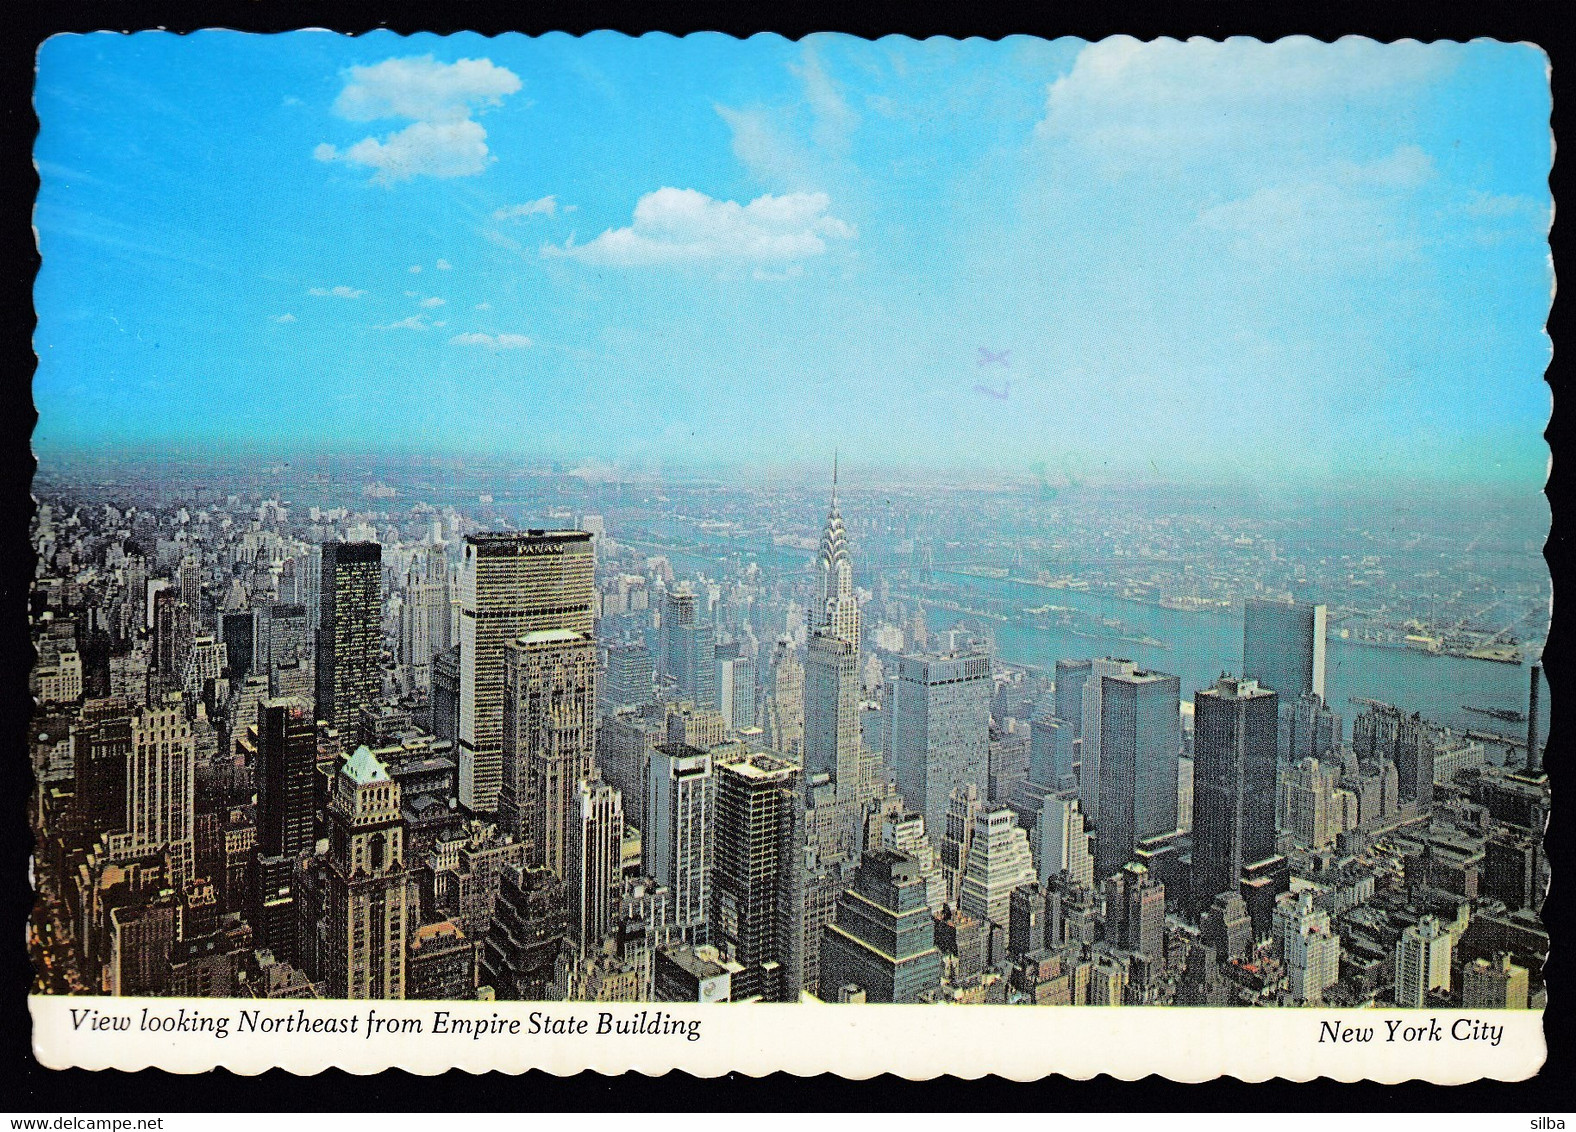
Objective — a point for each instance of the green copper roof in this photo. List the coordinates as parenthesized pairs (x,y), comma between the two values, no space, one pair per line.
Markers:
(363,766)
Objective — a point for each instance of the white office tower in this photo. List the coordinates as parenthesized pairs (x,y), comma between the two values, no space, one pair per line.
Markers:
(1422,962)
(736,691)
(1089,772)
(161,803)
(999,861)
(676,844)
(593,875)
(1309,949)
(905,833)
(424,616)
(1062,842)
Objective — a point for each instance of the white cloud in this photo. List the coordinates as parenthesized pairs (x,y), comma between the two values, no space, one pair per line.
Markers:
(684,226)
(546,206)
(434,301)
(492,341)
(423,89)
(767,149)
(834,121)
(484,306)
(415,269)
(340,292)
(1129,105)
(414,322)
(284,318)
(421,149)
(1312,226)
(786,148)
(444,265)
(442,139)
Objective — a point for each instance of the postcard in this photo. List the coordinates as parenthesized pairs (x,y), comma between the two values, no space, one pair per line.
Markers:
(935,557)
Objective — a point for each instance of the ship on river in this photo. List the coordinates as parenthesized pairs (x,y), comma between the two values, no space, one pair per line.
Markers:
(1505,715)
(1082,623)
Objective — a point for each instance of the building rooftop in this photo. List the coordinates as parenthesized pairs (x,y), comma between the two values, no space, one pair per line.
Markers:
(363,767)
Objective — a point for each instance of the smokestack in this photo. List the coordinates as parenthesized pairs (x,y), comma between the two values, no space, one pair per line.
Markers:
(1534,756)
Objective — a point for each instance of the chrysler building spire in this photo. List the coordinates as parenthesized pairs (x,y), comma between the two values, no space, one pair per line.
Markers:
(837,609)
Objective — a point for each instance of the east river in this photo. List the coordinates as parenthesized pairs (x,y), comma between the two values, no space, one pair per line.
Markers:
(1203,644)
(1207,642)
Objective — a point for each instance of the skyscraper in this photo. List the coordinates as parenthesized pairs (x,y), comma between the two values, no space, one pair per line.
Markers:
(591,857)
(529,925)
(755,802)
(836,611)
(101,747)
(822,842)
(1062,843)
(511,582)
(831,712)
(1135,911)
(1283,646)
(424,617)
(350,631)
(1140,740)
(1422,962)
(736,688)
(548,737)
(957,834)
(1309,948)
(1234,744)
(628,682)
(286,746)
(286,650)
(367,917)
(677,842)
(883,937)
(1067,701)
(161,800)
(785,709)
(1493,985)
(905,833)
(238,631)
(998,862)
(689,649)
(1091,690)
(938,730)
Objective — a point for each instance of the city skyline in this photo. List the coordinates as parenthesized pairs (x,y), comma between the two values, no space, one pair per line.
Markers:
(693,241)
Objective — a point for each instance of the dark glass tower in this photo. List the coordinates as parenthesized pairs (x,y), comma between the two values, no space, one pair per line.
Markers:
(751,869)
(286,798)
(350,634)
(1235,727)
(1140,743)
(884,938)
(1283,646)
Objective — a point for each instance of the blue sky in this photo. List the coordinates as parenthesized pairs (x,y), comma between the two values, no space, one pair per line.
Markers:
(1185,259)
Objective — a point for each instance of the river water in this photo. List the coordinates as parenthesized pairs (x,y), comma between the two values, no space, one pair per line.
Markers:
(1206,643)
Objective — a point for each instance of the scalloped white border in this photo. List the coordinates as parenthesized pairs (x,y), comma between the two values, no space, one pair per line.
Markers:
(1020,1043)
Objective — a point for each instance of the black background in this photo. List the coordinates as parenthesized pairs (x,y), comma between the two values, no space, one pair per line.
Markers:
(28,1088)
